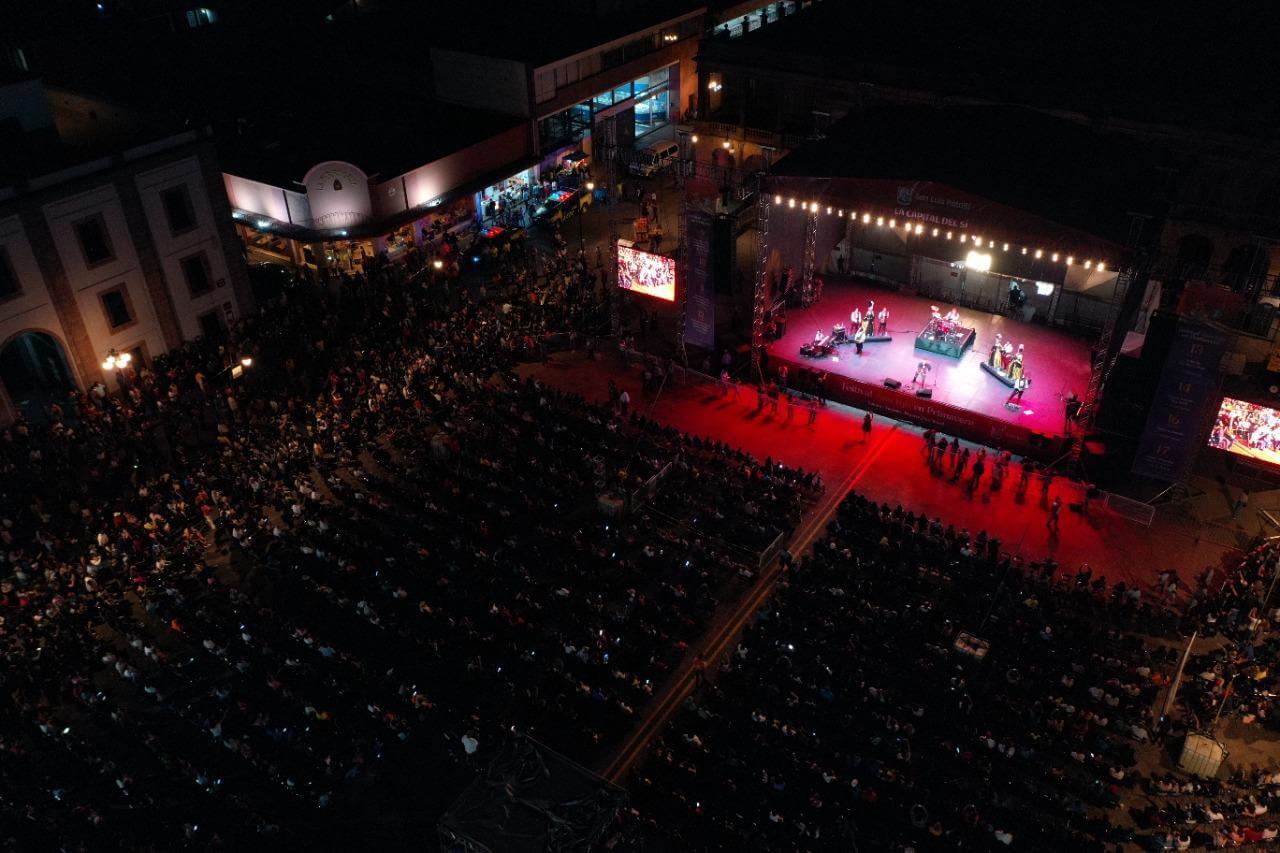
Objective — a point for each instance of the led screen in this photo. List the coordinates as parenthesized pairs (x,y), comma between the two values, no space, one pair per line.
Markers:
(647,273)
(1247,429)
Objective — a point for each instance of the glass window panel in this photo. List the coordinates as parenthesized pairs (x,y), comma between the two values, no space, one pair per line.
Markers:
(641,84)
(622,93)
(603,100)
(659,77)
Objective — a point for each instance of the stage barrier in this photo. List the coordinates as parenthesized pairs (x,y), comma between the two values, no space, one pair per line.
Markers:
(952,420)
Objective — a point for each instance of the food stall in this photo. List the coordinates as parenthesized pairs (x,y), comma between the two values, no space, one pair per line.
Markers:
(507,195)
(556,206)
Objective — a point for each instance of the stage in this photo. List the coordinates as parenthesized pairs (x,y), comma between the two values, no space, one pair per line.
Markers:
(965,400)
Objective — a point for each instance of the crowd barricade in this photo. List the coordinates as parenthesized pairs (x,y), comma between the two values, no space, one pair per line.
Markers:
(646,492)
(1139,511)
(771,551)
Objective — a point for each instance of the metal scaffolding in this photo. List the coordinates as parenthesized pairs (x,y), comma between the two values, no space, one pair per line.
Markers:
(762,281)
(608,150)
(809,294)
(682,266)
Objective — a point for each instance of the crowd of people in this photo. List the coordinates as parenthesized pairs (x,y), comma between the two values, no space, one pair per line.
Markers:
(911,687)
(307,603)
(304,606)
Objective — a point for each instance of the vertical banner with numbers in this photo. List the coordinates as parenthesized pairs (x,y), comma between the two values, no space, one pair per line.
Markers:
(700,325)
(1184,399)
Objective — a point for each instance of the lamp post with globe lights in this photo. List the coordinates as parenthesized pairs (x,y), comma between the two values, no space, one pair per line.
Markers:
(115,363)
(582,208)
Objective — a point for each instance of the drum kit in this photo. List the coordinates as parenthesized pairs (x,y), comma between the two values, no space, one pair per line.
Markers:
(943,328)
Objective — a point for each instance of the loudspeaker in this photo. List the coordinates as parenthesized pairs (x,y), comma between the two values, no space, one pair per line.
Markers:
(892,383)
(927,393)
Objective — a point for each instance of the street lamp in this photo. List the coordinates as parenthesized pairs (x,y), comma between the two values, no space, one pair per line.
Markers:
(116,360)
(591,187)
(237,368)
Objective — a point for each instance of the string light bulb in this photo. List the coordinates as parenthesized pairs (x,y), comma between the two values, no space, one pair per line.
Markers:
(1039,254)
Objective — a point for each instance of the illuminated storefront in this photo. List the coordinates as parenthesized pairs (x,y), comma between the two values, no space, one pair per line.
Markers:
(510,193)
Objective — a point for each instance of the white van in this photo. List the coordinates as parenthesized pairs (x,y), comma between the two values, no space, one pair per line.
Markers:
(655,158)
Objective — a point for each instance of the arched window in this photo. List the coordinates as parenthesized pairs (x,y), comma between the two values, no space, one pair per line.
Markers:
(33,368)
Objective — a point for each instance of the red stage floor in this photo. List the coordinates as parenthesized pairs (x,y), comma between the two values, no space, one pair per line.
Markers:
(1056,362)
(890,466)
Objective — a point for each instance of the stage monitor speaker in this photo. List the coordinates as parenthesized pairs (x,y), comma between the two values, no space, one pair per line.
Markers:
(927,393)
(892,383)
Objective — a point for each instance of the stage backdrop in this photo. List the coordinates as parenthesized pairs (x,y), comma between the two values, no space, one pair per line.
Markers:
(1185,398)
(700,324)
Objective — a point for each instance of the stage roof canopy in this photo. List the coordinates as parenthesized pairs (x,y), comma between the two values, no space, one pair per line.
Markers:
(1009,173)
(532,798)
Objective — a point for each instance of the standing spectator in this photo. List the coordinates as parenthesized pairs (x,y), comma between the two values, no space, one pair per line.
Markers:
(1055,509)
(979,466)
(866,427)
(1239,505)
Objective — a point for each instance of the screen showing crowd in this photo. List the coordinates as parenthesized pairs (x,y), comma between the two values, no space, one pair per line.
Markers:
(647,273)
(1247,429)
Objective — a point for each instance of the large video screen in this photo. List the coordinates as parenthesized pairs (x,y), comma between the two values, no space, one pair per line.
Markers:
(647,273)
(1247,429)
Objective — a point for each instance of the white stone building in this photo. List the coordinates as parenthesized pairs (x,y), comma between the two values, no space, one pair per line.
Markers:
(109,241)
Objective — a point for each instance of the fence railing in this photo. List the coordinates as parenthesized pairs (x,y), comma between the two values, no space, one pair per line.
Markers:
(649,489)
(1138,511)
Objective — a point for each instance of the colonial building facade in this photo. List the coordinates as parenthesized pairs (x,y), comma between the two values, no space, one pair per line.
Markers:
(129,251)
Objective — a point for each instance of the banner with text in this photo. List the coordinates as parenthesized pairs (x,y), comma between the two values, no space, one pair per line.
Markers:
(700,322)
(1184,399)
